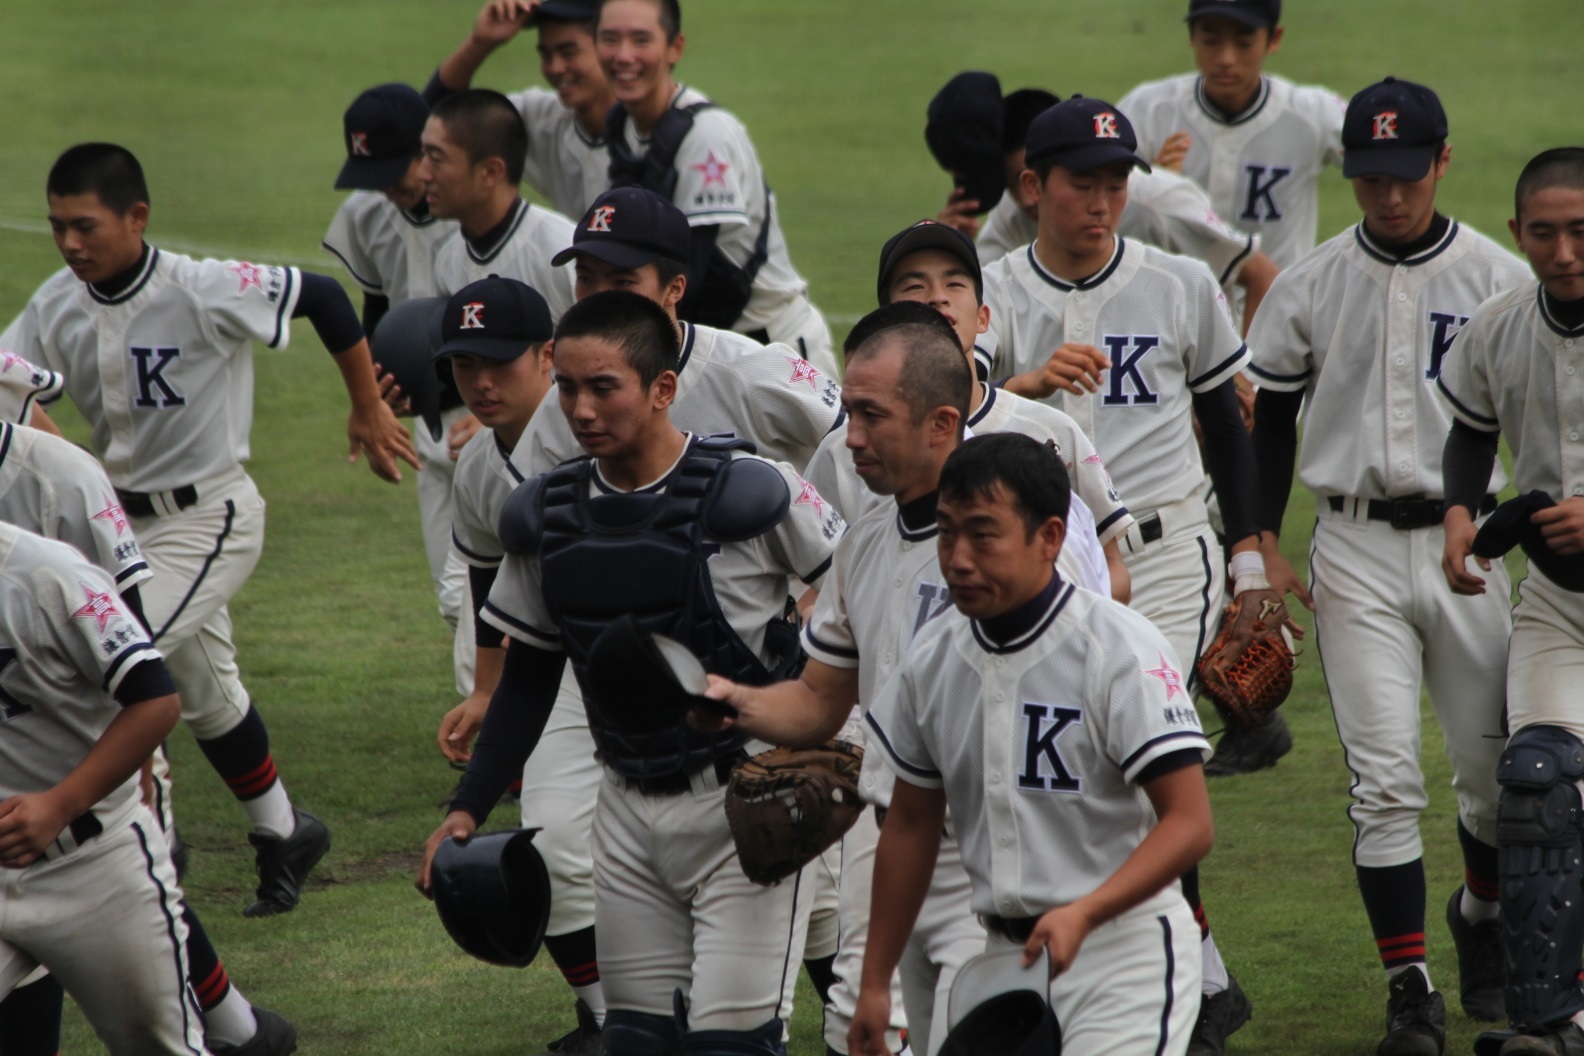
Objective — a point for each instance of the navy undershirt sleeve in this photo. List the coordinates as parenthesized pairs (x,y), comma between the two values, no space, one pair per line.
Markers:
(134,602)
(437,89)
(1169,763)
(146,680)
(1229,455)
(1276,446)
(699,251)
(516,719)
(375,305)
(1466,464)
(330,310)
(480,580)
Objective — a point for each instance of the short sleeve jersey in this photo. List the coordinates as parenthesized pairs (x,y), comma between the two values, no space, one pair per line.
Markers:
(388,251)
(163,372)
(66,642)
(485,478)
(1262,167)
(565,164)
(23,386)
(1163,323)
(1364,336)
(751,579)
(533,236)
(726,383)
(1039,743)
(1517,370)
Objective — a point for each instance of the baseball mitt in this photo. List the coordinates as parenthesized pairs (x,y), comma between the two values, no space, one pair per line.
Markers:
(787,805)
(1248,669)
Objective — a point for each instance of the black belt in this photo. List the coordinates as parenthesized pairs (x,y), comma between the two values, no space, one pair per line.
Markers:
(676,784)
(1150,529)
(85,827)
(1018,929)
(141,504)
(1408,513)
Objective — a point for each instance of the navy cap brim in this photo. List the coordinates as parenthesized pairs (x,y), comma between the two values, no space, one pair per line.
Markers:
(371,174)
(1087,159)
(1403,163)
(500,349)
(563,11)
(616,254)
(1251,19)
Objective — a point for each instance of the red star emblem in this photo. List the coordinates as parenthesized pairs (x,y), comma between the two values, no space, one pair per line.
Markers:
(713,168)
(9,359)
(803,370)
(1092,460)
(250,274)
(1172,679)
(114,514)
(100,607)
(810,496)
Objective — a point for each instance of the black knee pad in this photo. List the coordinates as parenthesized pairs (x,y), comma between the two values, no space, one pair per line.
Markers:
(763,1040)
(1540,850)
(640,1034)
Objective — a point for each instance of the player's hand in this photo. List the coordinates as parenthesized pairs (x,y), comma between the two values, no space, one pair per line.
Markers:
(1061,931)
(459,824)
(1174,151)
(1457,549)
(1244,389)
(1562,526)
(1071,368)
(391,392)
(1283,577)
(500,20)
(29,823)
(866,1035)
(460,726)
(709,720)
(960,212)
(373,428)
(465,428)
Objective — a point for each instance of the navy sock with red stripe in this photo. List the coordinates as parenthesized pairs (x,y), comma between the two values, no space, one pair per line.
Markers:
(1481,876)
(574,953)
(204,970)
(1190,886)
(241,756)
(30,1019)
(1394,898)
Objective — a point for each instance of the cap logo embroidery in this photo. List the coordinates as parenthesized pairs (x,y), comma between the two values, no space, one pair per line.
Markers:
(1105,126)
(473,315)
(360,144)
(1385,125)
(600,219)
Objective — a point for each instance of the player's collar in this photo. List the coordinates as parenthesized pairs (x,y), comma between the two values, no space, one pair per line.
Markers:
(658,484)
(125,286)
(1443,230)
(984,404)
(1552,317)
(487,246)
(505,454)
(1083,284)
(915,520)
(689,335)
(420,217)
(1013,630)
(1215,113)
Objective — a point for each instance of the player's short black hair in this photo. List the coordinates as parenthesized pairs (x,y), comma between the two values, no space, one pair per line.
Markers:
(1018,111)
(104,169)
(485,124)
(669,269)
(1030,472)
(670,16)
(638,326)
(897,313)
(1557,167)
(935,373)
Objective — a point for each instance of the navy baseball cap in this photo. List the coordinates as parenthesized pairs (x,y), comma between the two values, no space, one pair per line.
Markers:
(494,318)
(1255,14)
(564,11)
(383,129)
(927,234)
(628,227)
(1394,128)
(964,135)
(1083,134)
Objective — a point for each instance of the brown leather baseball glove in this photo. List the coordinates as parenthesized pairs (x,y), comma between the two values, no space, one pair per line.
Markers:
(1248,669)
(787,805)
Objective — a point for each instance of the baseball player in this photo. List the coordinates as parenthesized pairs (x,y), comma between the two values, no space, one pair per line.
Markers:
(473,146)
(156,347)
(935,265)
(720,535)
(1256,142)
(672,140)
(1359,329)
(1513,371)
(1170,353)
(906,391)
(567,161)
(1074,778)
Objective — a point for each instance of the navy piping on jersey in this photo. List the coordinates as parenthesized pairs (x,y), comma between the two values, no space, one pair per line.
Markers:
(1226,273)
(1087,284)
(1218,368)
(1372,249)
(1117,515)
(1550,320)
(177,949)
(1064,595)
(6,434)
(885,742)
(985,405)
(369,285)
(513,221)
(918,536)
(819,570)
(280,309)
(209,561)
(687,347)
(554,641)
(823,646)
(137,284)
(1279,379)
(120,661)
(1171,973)
(473,555)
(787,960)
(415,220)
(500,446)
(1204,618)
(1176,735)
(1478,418)
(1216,114)
(130,571)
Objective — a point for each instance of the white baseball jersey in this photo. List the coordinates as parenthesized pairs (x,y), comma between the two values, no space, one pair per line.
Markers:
(726,383)
(533,236)
(24,385)
(164,370)
(751,580)
(1039,768)
(1262,167)
(54,488)
(1165,209)
(1163,323)
(1364,336)
(388,251)
(565,164)
(485,478)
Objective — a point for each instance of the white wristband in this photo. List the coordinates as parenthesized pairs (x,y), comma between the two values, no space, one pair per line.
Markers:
(1249,581)
(1246,563)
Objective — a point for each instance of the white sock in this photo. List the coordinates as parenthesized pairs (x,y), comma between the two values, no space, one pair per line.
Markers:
(593,995)
(1578,1018)
(1424,969)
(231,1022)
(271,813)
(1215,970)
(1475,910)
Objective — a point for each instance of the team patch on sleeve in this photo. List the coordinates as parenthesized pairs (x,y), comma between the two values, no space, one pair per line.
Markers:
(99,607)
(269,281)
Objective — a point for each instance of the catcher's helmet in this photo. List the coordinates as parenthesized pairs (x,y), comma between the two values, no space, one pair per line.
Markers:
(493,894)
(404,343)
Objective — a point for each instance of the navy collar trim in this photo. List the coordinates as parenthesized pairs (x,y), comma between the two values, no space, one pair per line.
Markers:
(1086,284)
(1551,320)
(423,219)
(1385,256)
(688,336)
(507,228)
(921,511)
(653,486)
(145,272)
(984,406)
(1215,113)
(1055,598)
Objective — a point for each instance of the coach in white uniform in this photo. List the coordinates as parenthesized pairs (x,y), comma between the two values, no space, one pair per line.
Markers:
(1359,327)
(1074,778)
(1515,371)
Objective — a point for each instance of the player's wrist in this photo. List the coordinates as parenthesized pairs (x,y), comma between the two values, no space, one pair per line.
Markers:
(1247,571)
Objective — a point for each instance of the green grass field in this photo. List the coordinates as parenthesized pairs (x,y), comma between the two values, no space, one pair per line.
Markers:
(235,112)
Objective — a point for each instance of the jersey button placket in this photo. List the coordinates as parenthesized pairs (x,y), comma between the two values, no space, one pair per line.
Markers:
(999,728)
(1570,408)
(1401,385)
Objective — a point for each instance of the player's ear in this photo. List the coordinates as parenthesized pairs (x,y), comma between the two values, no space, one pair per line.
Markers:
(1443,161)
(663,392)
(945,426)
(674,49)
(1517,232)
(546,356)
(984,319)
(138,216)
(492,170)
(1051,535)
(1275,39)
(1030,181)
(672,295)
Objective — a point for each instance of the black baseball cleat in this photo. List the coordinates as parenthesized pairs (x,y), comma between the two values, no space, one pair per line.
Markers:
(1481,963)
(1567,1041)
(1220,1016)
(583,1041)
(1415,1017)
(276,1036)
(283,864)
(1243,752)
